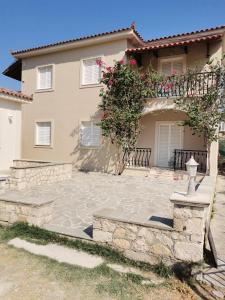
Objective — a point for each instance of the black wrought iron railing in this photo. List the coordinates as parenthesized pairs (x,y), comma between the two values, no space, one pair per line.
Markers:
(187,85)
(139,157)
(182,156)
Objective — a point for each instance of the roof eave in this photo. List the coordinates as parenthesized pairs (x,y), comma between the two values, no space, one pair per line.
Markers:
(127,34)
(174,44)
(14,70)
(14,98)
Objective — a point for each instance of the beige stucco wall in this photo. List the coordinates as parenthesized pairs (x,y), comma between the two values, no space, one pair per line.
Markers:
(10,132)
(196,56)
(67,105)
(148,131)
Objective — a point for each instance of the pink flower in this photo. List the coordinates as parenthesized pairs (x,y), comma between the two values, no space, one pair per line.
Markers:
(174,72)
(168,86)
(110,82)
(121,61)
(99,62)
(109,69)
(133,62)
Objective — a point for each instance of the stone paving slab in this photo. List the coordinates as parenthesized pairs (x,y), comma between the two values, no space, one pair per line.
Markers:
(59,253)
(136,198)
(76,200)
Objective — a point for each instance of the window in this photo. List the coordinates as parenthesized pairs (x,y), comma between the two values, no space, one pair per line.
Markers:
(91,71)
(222,127)
(43,133)
(90,134)
(44,81)
(169,66)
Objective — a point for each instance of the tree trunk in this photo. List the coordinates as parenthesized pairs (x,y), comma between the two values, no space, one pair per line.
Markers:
(208,158)
(119,164)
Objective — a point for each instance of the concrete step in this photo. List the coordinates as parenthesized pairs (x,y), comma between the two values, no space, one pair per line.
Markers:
(136,171)
(156,172)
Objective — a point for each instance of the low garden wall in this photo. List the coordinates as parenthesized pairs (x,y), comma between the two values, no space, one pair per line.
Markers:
(26,173)
(183,241)
(36,212)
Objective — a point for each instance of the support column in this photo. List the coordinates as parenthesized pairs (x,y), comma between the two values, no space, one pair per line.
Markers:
(189,219)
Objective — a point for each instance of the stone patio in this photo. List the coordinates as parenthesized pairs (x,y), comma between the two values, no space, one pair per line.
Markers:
(76,200)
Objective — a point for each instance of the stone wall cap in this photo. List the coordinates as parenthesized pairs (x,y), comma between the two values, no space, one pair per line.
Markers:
(198,199)
(19,198)
(114,215)
(41,165)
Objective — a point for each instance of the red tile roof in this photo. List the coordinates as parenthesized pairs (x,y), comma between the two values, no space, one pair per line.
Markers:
(78,39)
(16,94)
(186,33)
(178,43)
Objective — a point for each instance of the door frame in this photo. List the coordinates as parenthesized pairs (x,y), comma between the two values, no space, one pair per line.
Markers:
(157,124)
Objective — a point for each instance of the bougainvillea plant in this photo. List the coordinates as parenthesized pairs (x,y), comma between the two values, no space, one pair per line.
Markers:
(203,102)
(125,91)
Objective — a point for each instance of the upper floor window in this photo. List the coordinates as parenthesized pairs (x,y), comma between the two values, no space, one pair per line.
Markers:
(43,133)
(90,134)
(172,66)
(222,127)
(45,75)
(91,71)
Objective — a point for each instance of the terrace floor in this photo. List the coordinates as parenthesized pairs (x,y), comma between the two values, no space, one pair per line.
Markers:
(134,198)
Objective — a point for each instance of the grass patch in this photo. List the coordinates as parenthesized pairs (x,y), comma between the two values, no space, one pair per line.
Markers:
(42,236)
(162,270)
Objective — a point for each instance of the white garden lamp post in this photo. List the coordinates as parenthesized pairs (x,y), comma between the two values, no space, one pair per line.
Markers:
(192,166)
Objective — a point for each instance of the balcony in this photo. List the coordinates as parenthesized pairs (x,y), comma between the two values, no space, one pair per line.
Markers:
(188,85)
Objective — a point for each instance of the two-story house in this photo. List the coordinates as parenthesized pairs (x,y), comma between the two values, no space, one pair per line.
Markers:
(64,79)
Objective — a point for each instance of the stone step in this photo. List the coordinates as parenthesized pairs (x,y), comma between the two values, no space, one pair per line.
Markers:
(138,171)
(167,173)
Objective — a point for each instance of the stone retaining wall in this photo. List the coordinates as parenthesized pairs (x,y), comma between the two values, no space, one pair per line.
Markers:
(153,243)
(28,163)
(31,173)
(32,213)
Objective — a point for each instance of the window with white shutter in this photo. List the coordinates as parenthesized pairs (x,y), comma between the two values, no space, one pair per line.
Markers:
(222,127)
(45,75)
(169,66)
(90,134)
(91,71)
(43,133)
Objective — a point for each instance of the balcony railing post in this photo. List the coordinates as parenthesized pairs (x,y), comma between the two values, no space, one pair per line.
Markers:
(192,85)
(182,156)
(139,157)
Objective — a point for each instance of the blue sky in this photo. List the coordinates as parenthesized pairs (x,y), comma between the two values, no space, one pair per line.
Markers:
(28,23)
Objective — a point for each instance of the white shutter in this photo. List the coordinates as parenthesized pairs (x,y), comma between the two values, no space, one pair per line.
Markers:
(222,127)
(91,71)
(166,68)
(96,134)
(178,66)
(85,134)
(170,137)
(43,133)
(90,134)
(172,66)
(176,135)
(48,77)
(163,142)
(45,77)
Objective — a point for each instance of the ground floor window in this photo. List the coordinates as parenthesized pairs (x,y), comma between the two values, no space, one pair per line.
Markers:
(90,134)
(43,133)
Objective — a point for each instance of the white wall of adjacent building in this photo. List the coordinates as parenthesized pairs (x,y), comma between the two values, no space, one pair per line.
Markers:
(10,132)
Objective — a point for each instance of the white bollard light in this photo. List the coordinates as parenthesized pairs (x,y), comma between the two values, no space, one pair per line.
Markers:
(191,166)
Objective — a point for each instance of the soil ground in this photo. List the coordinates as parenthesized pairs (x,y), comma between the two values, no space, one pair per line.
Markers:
(24,276)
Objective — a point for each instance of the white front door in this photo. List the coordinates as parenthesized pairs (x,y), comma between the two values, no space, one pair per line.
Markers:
(169,136)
